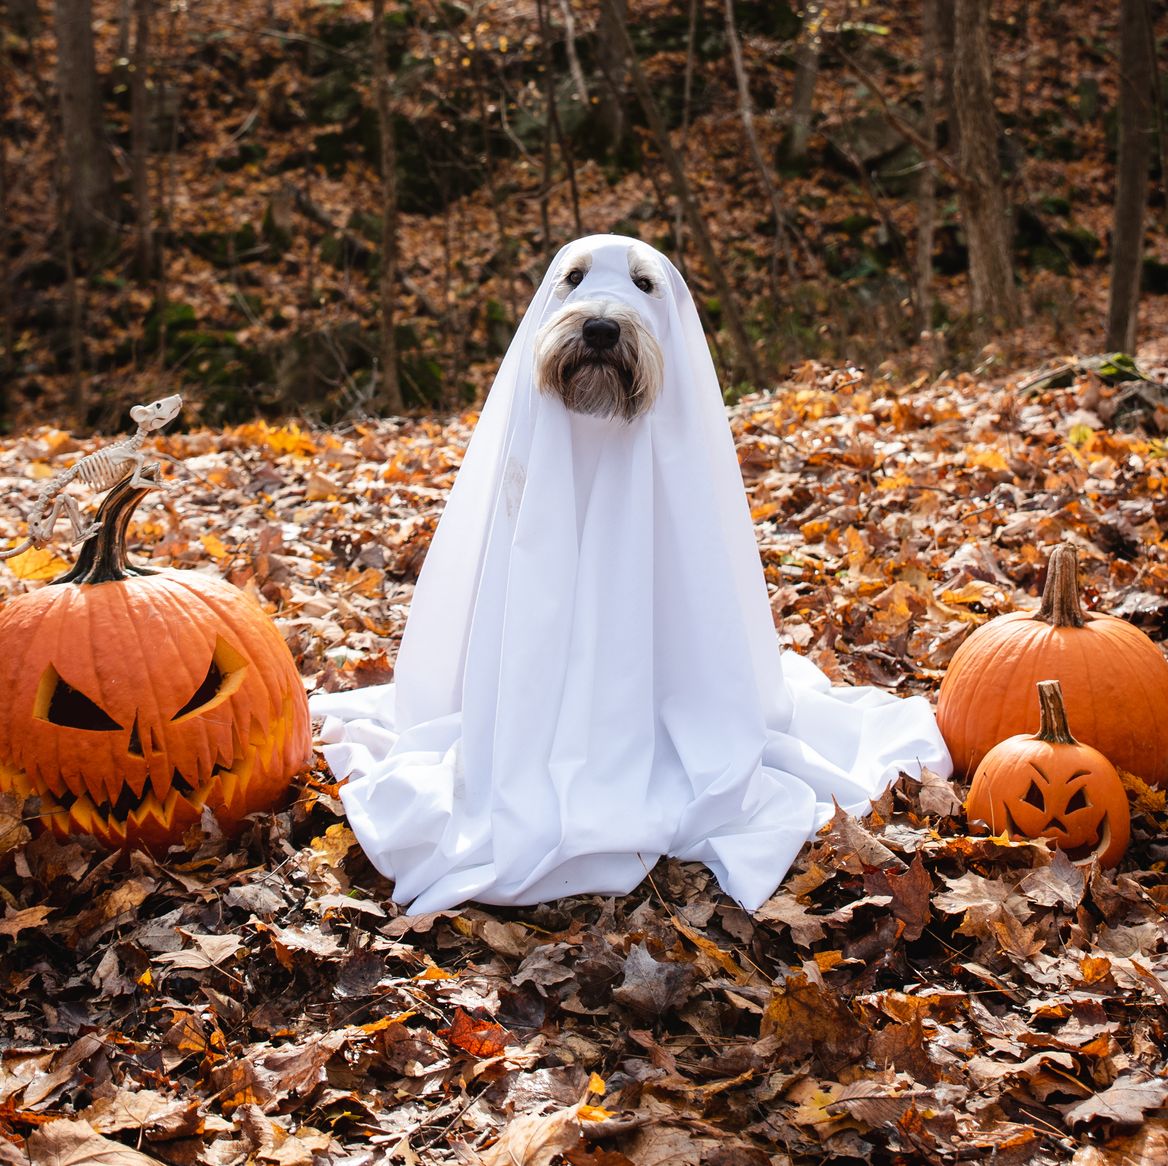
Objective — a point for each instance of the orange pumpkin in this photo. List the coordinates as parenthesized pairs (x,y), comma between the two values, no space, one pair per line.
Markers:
(1048,785)
(1115,678)
(135,698)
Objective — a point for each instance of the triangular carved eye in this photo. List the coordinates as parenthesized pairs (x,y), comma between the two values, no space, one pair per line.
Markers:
(62,704)
(1078,801)
(224,675)
(1034,797)
(212,682)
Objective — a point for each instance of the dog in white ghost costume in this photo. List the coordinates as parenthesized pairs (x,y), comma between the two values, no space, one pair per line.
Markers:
(590,676)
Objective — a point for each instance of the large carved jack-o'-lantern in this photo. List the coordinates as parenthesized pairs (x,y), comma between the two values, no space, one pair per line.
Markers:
(133,698)
(1048,785)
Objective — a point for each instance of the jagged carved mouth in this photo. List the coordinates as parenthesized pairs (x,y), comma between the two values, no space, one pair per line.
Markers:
(131,813)
(128,802)
(1080,853)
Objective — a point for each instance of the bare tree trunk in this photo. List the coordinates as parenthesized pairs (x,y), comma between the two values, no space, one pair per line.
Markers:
(686,100)
(945,35)
(746,112)
(390,396)
(549,110)
(125,21)
(806,77)
(554,131)
(88,168)
(78,398)
(985,211)
(140,141)
(927,191)
(1137,129)
(7,312)
(166,176)
(746,356)
(612,30)
(574,69)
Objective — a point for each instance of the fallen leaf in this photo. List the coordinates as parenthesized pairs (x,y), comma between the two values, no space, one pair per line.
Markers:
(480,1038)
(535,1139)
(810,1021)
(1123,1103)
(653,987)
(75,1143)
(14,922)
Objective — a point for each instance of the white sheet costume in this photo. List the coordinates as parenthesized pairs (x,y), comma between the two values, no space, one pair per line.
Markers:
(590,676)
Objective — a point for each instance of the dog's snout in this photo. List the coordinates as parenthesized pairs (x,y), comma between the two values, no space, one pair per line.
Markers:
(600,333)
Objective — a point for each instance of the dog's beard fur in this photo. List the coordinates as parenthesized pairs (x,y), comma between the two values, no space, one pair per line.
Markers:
(622,381)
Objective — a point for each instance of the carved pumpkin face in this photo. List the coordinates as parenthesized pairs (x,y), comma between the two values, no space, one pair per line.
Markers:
(132,703)
(1044,786)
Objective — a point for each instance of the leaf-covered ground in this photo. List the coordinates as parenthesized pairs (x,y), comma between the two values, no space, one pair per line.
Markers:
(912,994)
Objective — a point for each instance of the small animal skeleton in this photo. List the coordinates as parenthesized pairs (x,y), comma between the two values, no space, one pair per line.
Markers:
(101,469)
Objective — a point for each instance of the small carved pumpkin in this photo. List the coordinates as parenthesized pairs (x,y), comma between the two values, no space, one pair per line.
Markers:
(133,698)
(1048,785)
(1116,680)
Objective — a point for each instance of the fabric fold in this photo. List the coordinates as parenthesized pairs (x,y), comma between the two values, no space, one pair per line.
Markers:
(590,677)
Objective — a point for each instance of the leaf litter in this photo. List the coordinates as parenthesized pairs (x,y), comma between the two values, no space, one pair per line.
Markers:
(910,994)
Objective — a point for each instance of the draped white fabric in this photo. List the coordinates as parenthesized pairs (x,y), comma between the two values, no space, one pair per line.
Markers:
(590,676)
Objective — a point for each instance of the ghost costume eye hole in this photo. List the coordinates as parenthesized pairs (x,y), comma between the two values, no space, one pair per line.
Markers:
(574,277)
(646,273)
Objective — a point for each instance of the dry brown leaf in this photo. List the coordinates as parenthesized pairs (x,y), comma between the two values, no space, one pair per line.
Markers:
(1123,1103)
(535,1139)
(154,1114)
(811,1021)
(209,951)
(14,922)
(14,832)
(653,987)
(939,797)
(784,908)
(75,1143)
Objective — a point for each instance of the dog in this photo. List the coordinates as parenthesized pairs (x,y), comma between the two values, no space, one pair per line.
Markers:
(590,676)
(598,354)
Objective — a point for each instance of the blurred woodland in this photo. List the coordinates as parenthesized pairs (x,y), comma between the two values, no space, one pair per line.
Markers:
(333,209)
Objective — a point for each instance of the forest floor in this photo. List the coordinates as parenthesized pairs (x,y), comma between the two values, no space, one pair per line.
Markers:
(911,994)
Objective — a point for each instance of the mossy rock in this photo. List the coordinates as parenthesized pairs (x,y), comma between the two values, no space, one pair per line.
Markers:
(176,317)
(1154,277)
(855,225)
(333,149)
(346,252)
(226,248)
(242,155)
(1047,257)
(1083,246)
(420,377)
(366,225)
(333,99)
(500,328)
(215,357)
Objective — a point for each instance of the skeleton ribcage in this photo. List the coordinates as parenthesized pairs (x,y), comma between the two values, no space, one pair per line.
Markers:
(101,469)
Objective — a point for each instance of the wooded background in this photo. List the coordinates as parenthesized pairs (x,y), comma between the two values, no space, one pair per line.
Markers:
(327,209)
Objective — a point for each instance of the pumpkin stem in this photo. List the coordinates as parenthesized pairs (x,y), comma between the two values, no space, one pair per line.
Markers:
(103,555)
(1052,715)
(1060,597)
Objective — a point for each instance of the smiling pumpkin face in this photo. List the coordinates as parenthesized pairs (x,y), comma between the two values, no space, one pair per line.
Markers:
(134,699)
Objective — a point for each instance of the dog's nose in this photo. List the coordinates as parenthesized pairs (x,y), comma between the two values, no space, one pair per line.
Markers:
(600,333)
